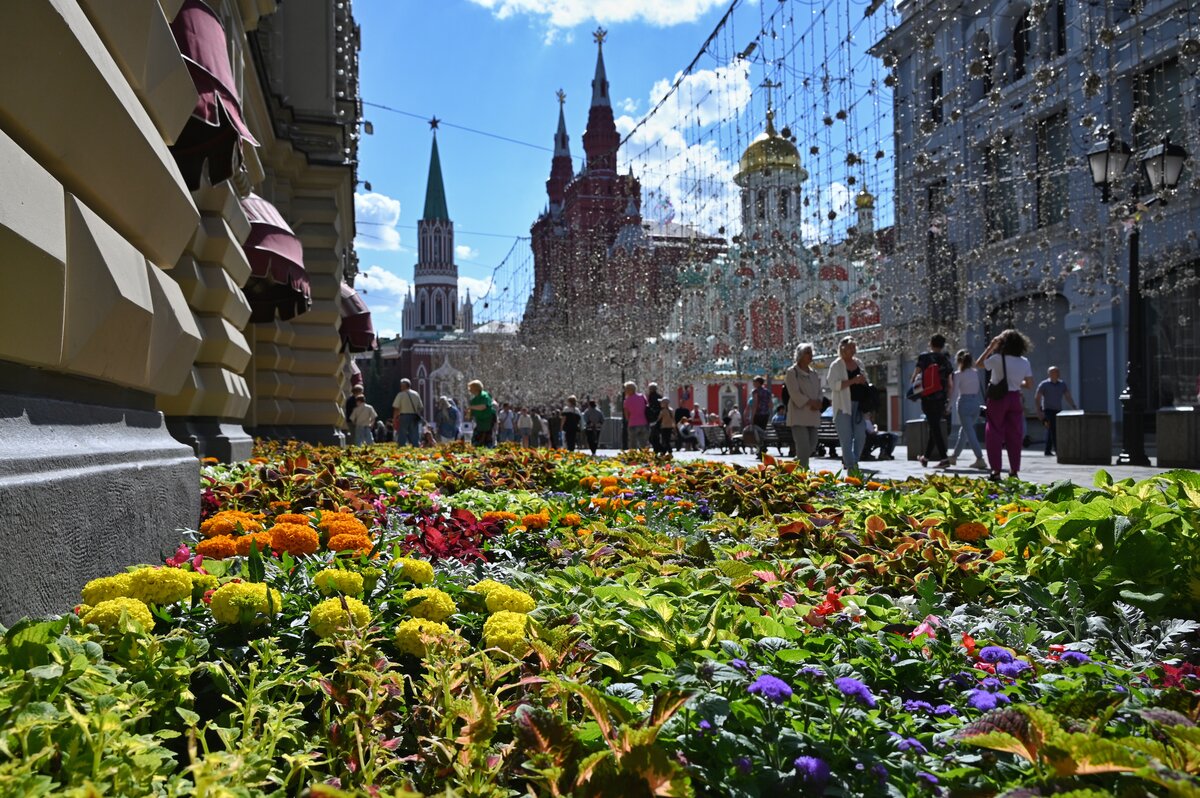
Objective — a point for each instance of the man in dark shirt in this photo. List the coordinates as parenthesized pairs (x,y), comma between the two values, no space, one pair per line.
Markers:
(934,398)
(1051,393)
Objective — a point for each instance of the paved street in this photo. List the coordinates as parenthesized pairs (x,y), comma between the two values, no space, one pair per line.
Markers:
(1034,466)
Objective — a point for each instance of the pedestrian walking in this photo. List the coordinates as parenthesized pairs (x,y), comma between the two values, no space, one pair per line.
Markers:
(804,404)
(653,406)
(968,401)
(634,407)
(1048,401)
(407,411)
(666,428)
(758,411)
(593,423)
(845,373)
(362,420)
(447,419)
(483,414)
(506,420)
(1009,372)
(934,373)
(524,426)
(572,419)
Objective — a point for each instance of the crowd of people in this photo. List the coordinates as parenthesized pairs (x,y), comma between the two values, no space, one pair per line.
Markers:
(990,385)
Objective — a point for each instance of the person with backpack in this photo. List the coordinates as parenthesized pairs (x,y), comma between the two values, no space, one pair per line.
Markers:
(758,410)
(935,370)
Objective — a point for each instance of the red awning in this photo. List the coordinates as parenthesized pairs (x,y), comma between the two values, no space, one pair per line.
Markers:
(278,285)
(358,335)
(215,130)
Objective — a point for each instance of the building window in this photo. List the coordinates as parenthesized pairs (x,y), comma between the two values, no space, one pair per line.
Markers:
(1158,108)
(760,206)
(935,97)
(1020,46)
(437,310)
(1052,144)
(1001,215)
(1060,27)
(424,312)
(979,69)
(746,205)
(784,196)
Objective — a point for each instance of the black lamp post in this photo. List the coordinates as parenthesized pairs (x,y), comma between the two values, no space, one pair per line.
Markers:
(1163,165)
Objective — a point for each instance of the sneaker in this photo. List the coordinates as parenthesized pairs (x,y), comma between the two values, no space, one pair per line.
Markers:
(979,465)
(952,460)
(923,461)
(944,464)
(995,476)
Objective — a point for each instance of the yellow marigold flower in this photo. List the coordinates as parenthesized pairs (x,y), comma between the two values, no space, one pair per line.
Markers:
(608,482)
(217,548)
(356,543)
(331,581)
(571,519)
(107,614)
(160,585)
(416,571)
(203,582)
(506,631)
(971,531)
(260,539)
(391,484)
(413,635)
(329,617)
(435,604)
(293,518)
(226,523)
(486,586)
(106,588)
(243,602)
(294,538)
(507,599)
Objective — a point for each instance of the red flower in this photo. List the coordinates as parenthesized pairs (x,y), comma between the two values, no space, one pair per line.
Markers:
(830,605)
(968,644)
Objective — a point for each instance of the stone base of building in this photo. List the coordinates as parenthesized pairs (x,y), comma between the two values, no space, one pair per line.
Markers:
(212,437)
(308,433)
(85,490)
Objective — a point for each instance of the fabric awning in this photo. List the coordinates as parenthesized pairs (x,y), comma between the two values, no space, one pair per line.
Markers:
(358,334)
(278,285)
(215,131)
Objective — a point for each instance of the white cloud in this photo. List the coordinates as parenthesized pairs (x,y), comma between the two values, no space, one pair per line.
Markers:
(376,217)
(629,105)
(561,14)
(465,252)
(675,161)
(380,283)
(478,286)
(817,225)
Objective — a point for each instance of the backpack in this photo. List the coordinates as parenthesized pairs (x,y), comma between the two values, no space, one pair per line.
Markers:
(931,378)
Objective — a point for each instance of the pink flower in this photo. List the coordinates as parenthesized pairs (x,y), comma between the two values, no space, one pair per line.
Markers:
(926,627)
(787,602)
(181,556)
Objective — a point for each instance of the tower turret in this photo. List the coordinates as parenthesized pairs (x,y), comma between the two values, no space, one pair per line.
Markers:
(561,169)
(600,140)
(435,275)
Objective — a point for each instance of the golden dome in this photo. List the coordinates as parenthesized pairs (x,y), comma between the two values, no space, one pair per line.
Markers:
(864,200)
(770,151)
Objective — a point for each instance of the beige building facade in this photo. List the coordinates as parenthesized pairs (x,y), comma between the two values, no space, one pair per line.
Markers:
(154,309)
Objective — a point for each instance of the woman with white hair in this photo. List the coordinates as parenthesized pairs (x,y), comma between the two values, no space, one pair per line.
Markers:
(844,373)
(804,403)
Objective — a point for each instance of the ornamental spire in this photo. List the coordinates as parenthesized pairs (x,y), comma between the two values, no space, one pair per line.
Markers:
(600,81)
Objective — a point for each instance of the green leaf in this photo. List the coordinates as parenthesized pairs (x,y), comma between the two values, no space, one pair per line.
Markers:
(256,569)
(51,671)
(189,717)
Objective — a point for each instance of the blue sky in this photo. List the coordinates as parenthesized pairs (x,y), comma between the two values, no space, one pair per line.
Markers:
(495,65)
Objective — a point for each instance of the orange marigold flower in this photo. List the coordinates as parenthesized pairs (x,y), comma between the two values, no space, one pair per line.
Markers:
(262,539)
(294,538)
(209,460)
(658,479)
(328,518)
(216,548)
(611,490)
(641,519)
(358,543)
(971,530)
(499,515)
(571,519)
(226,523)
(996,556)
(348,526)
(671,492)
(293,518)
(852,481)
(873,485)
(587,482)
(537,520)
(279,505)
(608,482)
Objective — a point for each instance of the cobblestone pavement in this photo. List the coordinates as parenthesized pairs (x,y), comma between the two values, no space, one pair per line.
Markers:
(1035,467)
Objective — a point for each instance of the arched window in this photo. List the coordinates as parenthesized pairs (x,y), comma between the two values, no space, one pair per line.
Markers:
(424,311)
(784,202)
(746,205)
(760,206)
(437,310)
(979,68)
(1020,47)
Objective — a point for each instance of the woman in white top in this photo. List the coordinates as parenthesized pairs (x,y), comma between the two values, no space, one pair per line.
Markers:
(845,373)
(804,403)
(1005,360)
(968,399)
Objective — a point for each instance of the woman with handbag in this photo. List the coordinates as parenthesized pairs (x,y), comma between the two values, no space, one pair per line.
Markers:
(1010,371)
(846,374)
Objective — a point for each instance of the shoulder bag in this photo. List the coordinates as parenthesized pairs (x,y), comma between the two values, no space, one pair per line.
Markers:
(998,390)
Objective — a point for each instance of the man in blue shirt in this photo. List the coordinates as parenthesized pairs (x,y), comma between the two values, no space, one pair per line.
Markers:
(1049,403)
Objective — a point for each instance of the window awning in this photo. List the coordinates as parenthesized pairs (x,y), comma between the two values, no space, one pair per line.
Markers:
(358,334)
(278,285)
(215,131)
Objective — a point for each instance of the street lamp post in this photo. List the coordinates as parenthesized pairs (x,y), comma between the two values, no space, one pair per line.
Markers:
(1163,165)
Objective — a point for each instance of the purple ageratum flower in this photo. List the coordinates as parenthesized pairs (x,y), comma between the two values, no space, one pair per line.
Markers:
(995,654)
(705,726)
(1012,669)
(740,664)
(1074,658)
(916,705)
(743,764)
(926,777)
(771,688)
(944,710)
(912,744)
(812,672)
(991,683)
(813,773)
(985,701)
(853,688)
(880,772)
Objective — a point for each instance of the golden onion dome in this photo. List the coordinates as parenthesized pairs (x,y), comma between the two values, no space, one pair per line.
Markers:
(864,200)
(770,151)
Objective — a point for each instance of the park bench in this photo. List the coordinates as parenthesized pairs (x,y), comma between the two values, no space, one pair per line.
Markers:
(715,438)
(827,438)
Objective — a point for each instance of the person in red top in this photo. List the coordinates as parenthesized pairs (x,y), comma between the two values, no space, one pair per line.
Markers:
(634,406)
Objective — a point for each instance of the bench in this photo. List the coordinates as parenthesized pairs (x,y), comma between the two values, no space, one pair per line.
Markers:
(827,438)
(778,437)
(715,438)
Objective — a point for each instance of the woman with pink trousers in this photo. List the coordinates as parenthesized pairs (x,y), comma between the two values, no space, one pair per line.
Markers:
(1007,365)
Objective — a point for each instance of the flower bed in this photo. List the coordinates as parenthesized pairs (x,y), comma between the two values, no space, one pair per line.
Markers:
(527,622)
